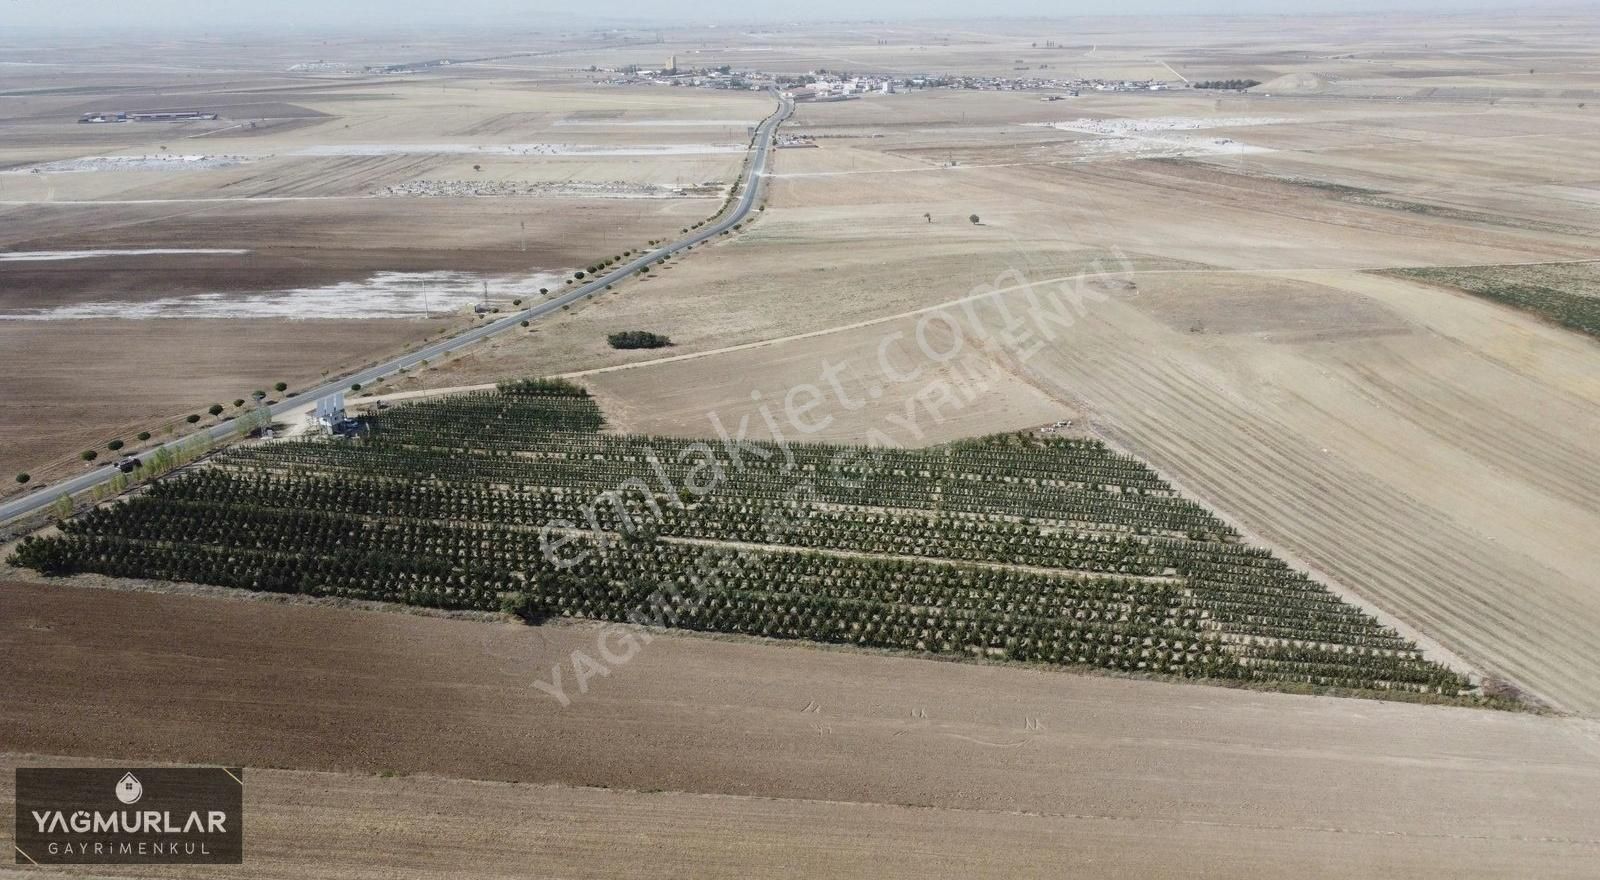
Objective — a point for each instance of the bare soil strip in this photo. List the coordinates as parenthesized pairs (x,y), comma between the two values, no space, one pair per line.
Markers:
(309,824)
(1168,779)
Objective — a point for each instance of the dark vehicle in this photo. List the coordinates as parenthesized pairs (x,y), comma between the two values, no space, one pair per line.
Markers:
(350,428)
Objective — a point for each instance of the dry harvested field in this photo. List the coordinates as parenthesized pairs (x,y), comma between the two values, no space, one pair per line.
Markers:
(365,201)
(72,385)
(1426,451)
(731,758)
(1567,294)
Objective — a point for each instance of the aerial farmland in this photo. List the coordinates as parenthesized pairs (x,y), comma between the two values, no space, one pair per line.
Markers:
(1111,447)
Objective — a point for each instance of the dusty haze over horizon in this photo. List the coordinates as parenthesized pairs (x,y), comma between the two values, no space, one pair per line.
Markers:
(224,15)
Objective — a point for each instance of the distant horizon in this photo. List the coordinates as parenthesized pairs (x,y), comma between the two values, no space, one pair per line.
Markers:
(190,17)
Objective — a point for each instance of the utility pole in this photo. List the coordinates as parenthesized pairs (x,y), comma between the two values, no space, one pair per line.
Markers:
(426,311)
(524,225)
(486,294)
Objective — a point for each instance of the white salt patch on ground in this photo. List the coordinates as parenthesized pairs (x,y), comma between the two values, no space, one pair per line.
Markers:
(1163,123)
(1166,146)
(616,189)
(1161,136)
(648,123)
(518,149)
(43,256)
(131,163)
(384,295)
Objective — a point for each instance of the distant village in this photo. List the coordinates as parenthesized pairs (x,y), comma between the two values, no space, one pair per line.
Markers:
(823,85)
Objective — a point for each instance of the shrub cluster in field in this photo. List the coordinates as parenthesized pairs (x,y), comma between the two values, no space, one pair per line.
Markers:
(638,339)
(1042,550)
(1568,294)
(541,388)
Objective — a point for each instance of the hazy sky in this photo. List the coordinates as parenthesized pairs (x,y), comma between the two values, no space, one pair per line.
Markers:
(221,15)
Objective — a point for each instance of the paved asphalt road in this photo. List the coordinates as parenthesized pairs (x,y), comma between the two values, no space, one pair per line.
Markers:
(46,495)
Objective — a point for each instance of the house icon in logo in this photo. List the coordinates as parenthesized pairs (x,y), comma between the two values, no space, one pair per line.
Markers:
(129,789)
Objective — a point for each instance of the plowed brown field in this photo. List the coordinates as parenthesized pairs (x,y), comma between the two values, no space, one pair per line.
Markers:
(772,758)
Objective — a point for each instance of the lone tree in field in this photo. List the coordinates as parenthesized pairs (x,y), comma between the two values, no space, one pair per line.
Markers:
(88,455)
(23,478)
(928,215)
(114,445)
(215,409)
(638,339)
(281,387)
(145,435)
(974,219)
(192,418)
